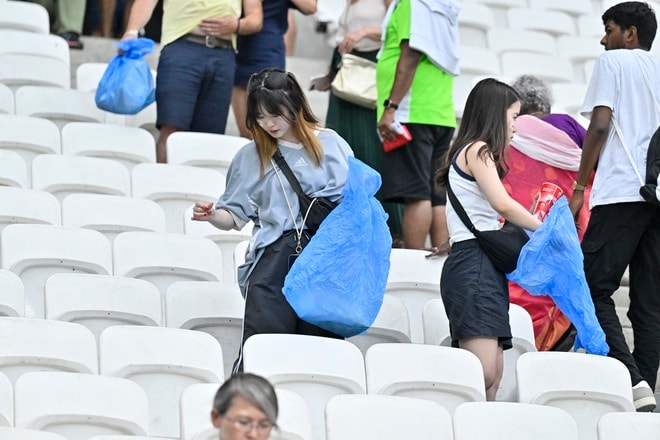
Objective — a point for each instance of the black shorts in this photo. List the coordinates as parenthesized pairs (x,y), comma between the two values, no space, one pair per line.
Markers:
(475,295)
(408,172)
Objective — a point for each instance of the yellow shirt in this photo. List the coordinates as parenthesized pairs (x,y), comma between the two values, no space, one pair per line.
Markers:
(183,16)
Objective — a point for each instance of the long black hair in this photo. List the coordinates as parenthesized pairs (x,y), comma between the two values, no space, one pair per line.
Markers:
(484,119)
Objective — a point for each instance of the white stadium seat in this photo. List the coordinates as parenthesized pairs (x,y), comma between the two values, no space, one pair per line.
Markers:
(13,171)
(554,23)
(59,105)
(575,8)
(88,76)
(126,145)
(50,250)
(214,308)
(545,67)
(627,425)
(316,368)
(24,16)
(43,345)
(78,406)
(392,324)
(19,205)
(512,421)
(6,403)
(163,361)
(175,188)
(479,61)
(474,21)
(99,301)
(206,150)
(6,100)
(436,323)
(507,40)
(12,295)
(28,434)
(448,376)
(371,417)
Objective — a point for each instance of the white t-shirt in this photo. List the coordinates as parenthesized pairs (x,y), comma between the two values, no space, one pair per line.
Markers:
(618,83)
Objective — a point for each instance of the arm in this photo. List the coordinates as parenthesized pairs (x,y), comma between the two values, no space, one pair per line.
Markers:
(490,184)
(139,17)
(253,17)
(593,144)
(306,7)
(220,218)
(405,72)
(250,23)
(350,40)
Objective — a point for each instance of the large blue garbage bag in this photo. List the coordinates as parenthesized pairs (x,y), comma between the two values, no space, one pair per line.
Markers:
(551,263)
(127,85)
(338,281)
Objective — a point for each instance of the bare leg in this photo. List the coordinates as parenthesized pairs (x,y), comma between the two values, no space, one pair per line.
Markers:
(239,105)
(439,231)
(107,14)
(290,35)
(417,217)
(161,145)
(489,352)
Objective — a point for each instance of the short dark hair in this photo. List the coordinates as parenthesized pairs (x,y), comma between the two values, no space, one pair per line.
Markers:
(255,389)
(638,14)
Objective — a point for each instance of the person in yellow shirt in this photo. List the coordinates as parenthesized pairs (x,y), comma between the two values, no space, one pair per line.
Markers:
(197,60)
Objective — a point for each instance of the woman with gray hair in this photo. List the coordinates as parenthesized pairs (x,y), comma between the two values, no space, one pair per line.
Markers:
(245,407)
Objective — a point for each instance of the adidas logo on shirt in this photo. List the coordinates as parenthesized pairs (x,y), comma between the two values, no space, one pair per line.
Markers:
(300,163)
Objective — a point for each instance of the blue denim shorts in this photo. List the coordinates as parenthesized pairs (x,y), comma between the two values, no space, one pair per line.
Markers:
(194,85)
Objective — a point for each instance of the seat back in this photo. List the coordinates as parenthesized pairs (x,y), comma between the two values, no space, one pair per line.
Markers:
(512,421)
(28,434)
(12,295)
(28,58)
(19,205)
(627,425)
(13,171)
(6,402)
(523,341)
(60,105)
(23,16)
(391,325)
(6,100)
(163,361)
(78,406)
(207,150)
(28,345)
(51,250)
(436,323)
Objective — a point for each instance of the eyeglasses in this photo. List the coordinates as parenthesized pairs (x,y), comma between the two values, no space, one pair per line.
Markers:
(247,425)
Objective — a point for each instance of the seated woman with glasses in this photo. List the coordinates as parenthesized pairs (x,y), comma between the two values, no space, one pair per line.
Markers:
(245,406)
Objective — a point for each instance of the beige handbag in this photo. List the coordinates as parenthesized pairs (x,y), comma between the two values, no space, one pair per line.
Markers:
(356,81)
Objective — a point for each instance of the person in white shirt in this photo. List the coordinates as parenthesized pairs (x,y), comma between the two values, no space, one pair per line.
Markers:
(624,230)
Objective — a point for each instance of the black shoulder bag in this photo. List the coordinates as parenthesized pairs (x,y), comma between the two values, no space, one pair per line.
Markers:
(502,246)
(315,209)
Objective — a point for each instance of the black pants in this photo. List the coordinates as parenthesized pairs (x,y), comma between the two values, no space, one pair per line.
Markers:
(619,235)
(266,308)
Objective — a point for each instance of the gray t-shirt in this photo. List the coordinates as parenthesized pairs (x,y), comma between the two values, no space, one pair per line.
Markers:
(260,198)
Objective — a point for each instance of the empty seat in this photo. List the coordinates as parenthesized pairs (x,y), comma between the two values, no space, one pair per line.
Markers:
(13,171)
(163,361)
(42,345)
(12,295)
(24,16)
(65,175)
(88,76)
(370,417)
(207,150)
(414,279)
(589,26)
(624,426)
(474,21)
(579,50)
(6,403)
(29,137)
(507,40)
(19,205)
(293,421)
(175,188)
(214,308)
(575,8)
(522,332)
(6,100)
(126,145)
(50,250)
(145,118)
(512,421)
(479,61)
(555,23)
(58,105)
(316,368)
(239,253)
(436,323)
(545,67)
(568,97)
(112,215)
(446,375)
(586,386)
(78,406)
(28,434)
(226,240)
(33,59)
(165,258)
(99,301)
(391,325)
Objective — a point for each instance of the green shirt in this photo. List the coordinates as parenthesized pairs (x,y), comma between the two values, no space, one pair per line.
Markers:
(430,98)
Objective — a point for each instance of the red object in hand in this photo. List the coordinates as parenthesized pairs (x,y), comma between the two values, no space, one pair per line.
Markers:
(402,138)
(548,195)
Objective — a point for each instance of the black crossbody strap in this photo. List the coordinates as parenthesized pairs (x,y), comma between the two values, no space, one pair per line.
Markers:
(460,211)
(281,162)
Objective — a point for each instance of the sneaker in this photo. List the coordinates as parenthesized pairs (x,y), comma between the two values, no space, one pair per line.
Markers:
(643,397)
(73,39)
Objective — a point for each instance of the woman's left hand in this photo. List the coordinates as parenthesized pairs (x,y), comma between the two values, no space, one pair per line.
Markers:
(349,42)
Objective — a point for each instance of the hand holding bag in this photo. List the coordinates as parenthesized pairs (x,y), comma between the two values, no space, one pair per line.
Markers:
(502,246)
(355,81)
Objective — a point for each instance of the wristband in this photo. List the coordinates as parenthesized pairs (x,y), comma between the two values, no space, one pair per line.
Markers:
(390,104)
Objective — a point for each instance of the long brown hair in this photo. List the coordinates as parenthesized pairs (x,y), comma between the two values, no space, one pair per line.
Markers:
(277,93)
(484,119)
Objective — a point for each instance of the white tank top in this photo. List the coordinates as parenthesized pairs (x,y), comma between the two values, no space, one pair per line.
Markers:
(475,204)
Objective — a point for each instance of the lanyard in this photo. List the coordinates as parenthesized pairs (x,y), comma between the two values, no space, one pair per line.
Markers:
(288,205)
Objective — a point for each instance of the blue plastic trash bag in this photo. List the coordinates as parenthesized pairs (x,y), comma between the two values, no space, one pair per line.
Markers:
(338,281)
(551,263)
(127,85)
